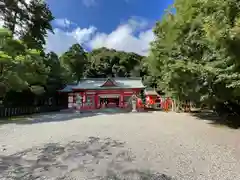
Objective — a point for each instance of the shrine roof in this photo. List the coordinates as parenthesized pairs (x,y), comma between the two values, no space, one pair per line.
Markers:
(105,83)
(67,88)
(151,92)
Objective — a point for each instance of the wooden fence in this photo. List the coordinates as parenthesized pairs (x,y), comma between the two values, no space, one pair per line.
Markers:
(18,111)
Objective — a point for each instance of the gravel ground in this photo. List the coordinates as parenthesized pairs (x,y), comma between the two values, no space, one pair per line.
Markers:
(157,145)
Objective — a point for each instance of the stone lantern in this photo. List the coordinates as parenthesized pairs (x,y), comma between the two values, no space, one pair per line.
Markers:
(78,101)
(134,103)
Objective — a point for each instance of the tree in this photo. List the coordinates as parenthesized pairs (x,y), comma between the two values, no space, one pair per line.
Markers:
(37,25)
(105,62)
(148,77)
(20,68)
(195,52)
(143,97)
(74,61)
(13,13)
(56,77)
(28,21)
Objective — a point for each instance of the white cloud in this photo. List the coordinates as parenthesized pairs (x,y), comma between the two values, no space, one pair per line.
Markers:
(137,23)
(89,3)
(60,41)
(83,35)
(124,39)
(62,23)
(130,37)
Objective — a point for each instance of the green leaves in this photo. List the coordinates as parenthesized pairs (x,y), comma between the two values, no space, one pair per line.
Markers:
(4,57)
(105,62)
(20,67)
(196,51)
(28,21)
(74,61)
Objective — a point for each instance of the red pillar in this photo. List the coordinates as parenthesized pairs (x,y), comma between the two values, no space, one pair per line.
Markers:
(96,101)
(121,99)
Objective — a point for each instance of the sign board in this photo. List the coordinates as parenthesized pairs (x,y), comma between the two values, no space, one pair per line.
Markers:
(70,99)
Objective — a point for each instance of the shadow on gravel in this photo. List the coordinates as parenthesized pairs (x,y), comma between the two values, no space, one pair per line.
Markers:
(103,159)
(135,175)
(62,116)
(215,120)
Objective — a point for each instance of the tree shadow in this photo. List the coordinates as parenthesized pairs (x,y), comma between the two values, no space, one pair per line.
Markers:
(228,121)
(135,174)
(64,116)
(93,159)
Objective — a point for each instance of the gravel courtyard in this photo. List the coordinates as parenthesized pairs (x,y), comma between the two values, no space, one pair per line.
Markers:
(156,146)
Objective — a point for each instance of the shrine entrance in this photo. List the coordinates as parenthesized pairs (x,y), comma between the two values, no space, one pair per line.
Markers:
(109,101)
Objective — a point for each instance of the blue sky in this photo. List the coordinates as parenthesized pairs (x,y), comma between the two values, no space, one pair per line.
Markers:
(120,24)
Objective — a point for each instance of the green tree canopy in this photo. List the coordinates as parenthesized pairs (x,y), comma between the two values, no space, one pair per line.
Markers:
(28,21)
(74,61)
(108,62)
(20,68)
(195,54)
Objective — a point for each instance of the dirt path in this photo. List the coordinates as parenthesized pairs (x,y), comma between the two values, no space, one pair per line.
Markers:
(117,146)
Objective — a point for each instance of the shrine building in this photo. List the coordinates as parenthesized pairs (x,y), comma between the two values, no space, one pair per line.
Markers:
(96,93)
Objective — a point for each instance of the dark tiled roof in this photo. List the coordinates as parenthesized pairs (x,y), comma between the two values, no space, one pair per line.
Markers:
(96,83)
(151,92)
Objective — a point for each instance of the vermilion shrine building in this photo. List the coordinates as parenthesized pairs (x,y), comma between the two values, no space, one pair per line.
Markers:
(95,93)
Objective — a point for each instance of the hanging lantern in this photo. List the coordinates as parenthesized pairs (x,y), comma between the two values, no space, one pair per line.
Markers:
(139,102)
(151,101)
